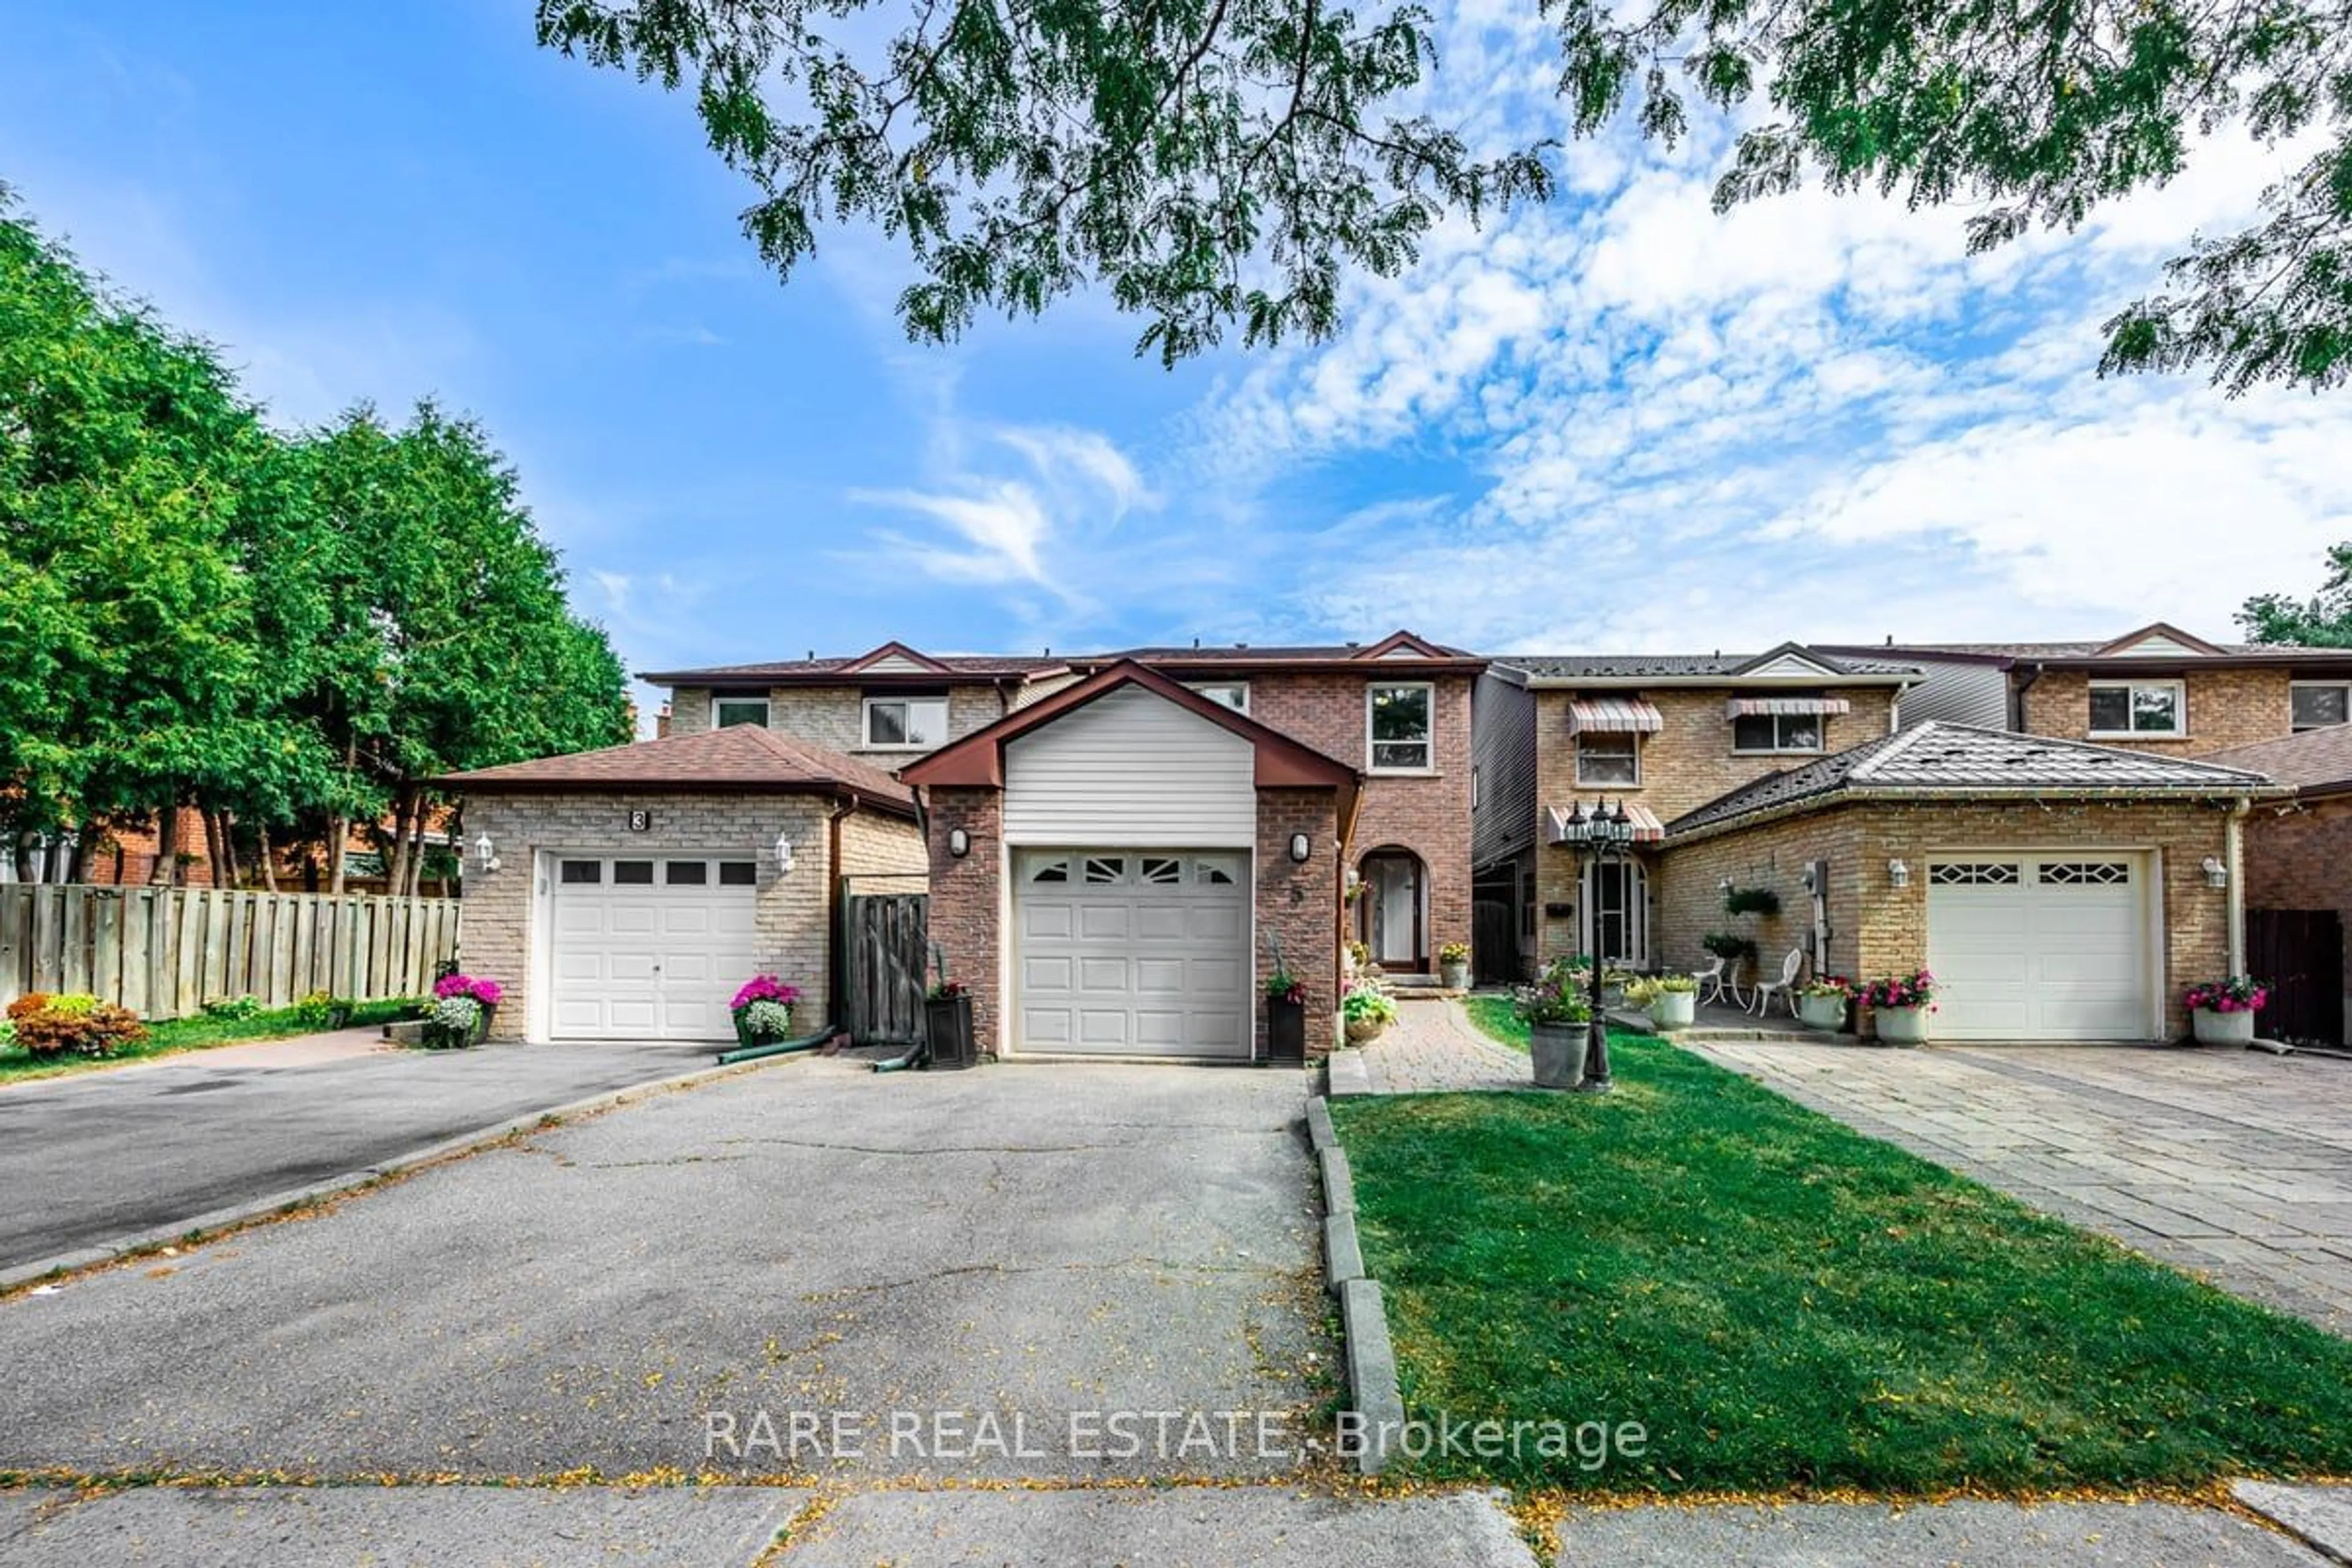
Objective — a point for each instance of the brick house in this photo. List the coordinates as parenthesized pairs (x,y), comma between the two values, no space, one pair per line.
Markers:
(2298,865)
(2059,889)
(885,706)
(631,891)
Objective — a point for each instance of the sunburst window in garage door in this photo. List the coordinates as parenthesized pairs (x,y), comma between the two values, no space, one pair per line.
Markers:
(1126,953)
(650,947)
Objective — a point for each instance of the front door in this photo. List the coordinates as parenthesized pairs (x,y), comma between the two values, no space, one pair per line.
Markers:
(1616,922)
(1391,921)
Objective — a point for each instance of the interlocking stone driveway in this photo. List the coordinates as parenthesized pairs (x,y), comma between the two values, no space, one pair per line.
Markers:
(2233,1164)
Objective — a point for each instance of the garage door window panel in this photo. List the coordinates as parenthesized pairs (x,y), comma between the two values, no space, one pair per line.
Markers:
(632,873)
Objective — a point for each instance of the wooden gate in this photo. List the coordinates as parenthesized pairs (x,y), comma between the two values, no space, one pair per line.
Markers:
(2300,955)
(1493,942)
(883,946)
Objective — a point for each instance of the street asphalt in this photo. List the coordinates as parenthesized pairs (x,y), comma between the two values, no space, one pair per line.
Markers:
(96,1156)
(1005,1273)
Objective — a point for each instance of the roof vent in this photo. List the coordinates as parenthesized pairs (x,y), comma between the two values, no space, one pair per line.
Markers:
(812,656)
(1196,642)
(1240,645)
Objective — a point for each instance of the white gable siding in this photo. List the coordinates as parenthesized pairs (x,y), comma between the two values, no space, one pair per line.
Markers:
(2154,646)
(894,664)
(1789,665)
(1131,769)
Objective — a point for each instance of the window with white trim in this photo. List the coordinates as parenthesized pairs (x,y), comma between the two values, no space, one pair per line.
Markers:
(2129,708)
(1398,719)
(1777,732)
(906,723)
(1233,694)
(1603,758)
(730,710)
(2319,704)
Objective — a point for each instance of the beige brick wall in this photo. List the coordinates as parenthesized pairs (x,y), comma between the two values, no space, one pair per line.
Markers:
(689,711)
(1879,930)
(834,716)
(874,845)
(2301,859)
(1686,763)
(791,918)
(2226,708)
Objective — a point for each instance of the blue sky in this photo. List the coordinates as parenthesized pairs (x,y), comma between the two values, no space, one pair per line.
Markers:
(1613,421)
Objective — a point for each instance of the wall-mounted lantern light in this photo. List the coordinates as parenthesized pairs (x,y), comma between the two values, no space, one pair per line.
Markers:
(959,843)
(486,854)
(1300,847)
(1898,875)
(2216,874)
(783,854)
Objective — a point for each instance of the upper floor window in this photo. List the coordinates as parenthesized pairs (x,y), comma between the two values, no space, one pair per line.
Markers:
(906,723)
(1607,759)
(2128,708)
(1233,694)
(1777,732)
(2317,705)
(1399,722)
(725,711)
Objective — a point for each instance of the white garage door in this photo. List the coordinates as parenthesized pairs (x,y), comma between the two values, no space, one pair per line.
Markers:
(1132,952)
(650,948)
(2038,947)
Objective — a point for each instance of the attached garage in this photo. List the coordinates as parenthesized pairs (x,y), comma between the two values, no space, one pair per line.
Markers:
(1132,952)
(650,949)
(2052,946)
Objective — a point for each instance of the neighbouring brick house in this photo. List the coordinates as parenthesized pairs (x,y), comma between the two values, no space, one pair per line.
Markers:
(2059,889)
(633,890)
(2298,876)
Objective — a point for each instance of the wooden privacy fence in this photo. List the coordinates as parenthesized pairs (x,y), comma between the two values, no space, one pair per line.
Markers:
(164,952)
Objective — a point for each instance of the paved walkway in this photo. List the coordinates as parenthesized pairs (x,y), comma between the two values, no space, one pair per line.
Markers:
(2230,1163)
(1434,1048)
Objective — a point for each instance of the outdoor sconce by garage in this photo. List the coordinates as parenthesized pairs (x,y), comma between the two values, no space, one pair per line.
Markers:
(2216,874)
(1898,875)
(783,854)
(486,854)
(1300,847)
(959,843)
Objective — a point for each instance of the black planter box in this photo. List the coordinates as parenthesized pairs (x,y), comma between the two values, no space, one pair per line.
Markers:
(949,1024)
(1286,1033)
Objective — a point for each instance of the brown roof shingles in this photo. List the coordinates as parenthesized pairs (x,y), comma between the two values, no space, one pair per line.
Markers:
(740,757)
(2316,761)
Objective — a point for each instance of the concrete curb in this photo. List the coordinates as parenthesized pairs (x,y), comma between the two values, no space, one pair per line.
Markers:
(2319,1517)
(1372,1393)
(1348,1077)
(207,1226)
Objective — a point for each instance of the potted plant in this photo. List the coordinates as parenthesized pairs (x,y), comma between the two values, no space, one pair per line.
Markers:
(1365,1013)
(947,1018)
(2221,1011)
(1454,965)
(1899,1007)
(764,1010)
(1286,1015)
(460,1015)
(1557,1018)
(1750,902)
(1671,1000)
(1736,950)
(1822,1001)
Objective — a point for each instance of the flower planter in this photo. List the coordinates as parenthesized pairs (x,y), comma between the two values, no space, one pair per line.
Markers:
(2235,1028)
(1674,1009)
(947,1021)
(1285,1034)
(436,1038)
(1821,1012)
(1364,1031)
(1454,976)
(1557,1052)
(1901,1025)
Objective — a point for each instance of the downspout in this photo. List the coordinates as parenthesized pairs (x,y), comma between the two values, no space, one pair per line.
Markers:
(2233,859)
(2017,698)
(836,965)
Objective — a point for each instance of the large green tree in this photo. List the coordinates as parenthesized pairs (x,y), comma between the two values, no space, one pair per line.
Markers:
(2323,620)
(1212,163)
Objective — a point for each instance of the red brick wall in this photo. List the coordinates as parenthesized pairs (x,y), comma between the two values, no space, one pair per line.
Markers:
(138,847)
(2302,860)
(967,907)
(1426,813)
(2226,708)
(1299,906)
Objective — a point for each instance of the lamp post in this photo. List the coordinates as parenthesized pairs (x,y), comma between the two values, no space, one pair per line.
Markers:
(1601,834)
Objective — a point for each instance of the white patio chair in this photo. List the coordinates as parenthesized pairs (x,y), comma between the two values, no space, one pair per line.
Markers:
(1719,979)
(1785,988)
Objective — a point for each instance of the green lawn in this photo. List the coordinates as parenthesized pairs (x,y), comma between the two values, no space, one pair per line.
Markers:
(172,1036)
(1782,1303)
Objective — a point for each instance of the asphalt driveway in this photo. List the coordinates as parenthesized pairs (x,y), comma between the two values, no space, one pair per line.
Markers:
(2229,1163)
(97,1156)
(974,1274)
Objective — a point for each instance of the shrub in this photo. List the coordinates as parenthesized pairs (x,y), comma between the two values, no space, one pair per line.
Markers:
(316,1010)
(765,1020)
(233,1007)
(7,1033)
(73,1025)
(453,1021)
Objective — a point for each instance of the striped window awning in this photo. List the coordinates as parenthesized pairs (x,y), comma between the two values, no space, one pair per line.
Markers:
(1647,829)
(1751,707)
(1613,716)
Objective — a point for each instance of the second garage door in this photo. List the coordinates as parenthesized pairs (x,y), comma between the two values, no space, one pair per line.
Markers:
(1128,952)
(2040,947)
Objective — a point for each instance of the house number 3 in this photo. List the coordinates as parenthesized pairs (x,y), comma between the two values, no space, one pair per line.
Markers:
(641,822)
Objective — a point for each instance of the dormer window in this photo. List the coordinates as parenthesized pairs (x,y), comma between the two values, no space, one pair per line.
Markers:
(2139,709)
(906,723)
(2319,704)
(730,710)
